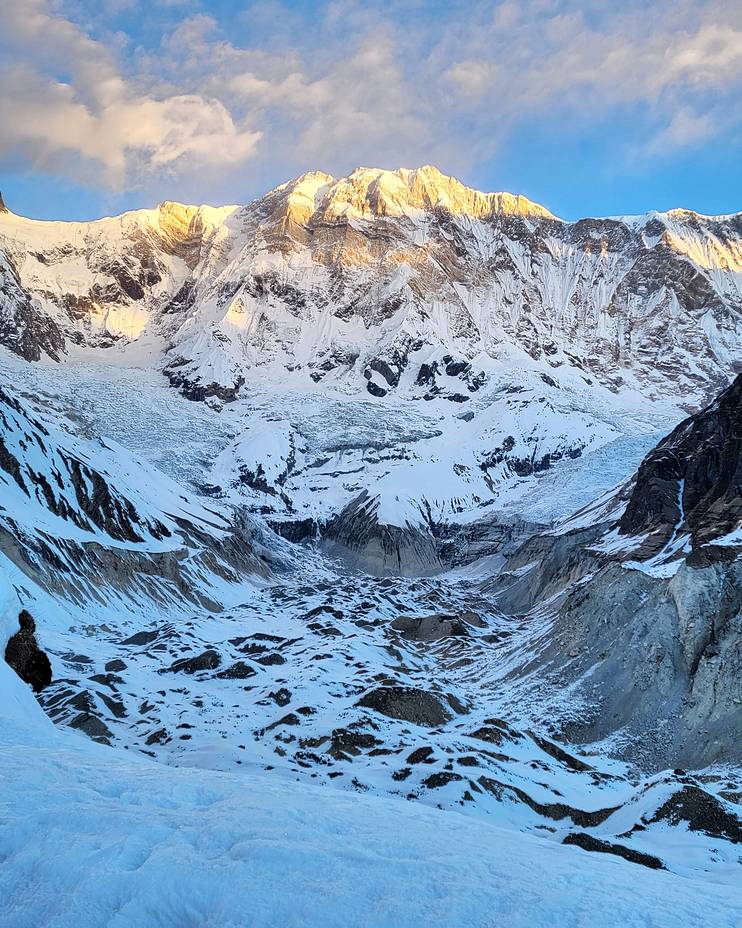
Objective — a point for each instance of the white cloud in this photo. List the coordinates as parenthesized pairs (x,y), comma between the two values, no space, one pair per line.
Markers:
(348,83)
(686,129)
(95,118)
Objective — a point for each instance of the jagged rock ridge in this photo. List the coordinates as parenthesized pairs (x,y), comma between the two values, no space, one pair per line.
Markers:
(689,486)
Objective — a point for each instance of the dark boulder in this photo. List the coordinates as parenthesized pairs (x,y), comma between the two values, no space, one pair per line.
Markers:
(209,660)
(442,778)
(238,671)
(25,656)
(141,638)
(407,704)
(422,755)
(115,665)
(430,627)
(346,742)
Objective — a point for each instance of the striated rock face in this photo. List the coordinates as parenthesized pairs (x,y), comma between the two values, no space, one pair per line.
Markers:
(83,519)
(24,328)
(381,548)
(660,659)
(24,655)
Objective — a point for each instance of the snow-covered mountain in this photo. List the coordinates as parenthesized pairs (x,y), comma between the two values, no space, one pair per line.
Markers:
(374,486)
(373,279)
(394,334)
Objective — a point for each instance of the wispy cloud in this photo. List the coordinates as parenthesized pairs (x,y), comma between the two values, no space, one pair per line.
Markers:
(65,105)
(86,93)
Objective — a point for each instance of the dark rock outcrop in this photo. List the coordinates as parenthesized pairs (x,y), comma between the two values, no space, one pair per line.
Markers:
(591,843)
(407,704)
(700,811)
(237,671)
(194,389)
(208,660)
(692,481)
(296,530)
(25,657)
(430,627)
(378,548)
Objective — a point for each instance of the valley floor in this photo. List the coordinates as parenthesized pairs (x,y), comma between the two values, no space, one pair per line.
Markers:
(96,835)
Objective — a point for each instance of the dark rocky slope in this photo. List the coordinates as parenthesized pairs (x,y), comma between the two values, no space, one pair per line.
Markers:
(84,522)
(640,601)
(692,483)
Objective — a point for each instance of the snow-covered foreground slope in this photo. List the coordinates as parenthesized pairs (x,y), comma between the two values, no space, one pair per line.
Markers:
(93,837)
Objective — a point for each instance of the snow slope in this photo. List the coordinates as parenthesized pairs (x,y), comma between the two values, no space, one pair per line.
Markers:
(92,837)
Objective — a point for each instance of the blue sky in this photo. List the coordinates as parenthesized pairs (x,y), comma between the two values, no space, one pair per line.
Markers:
(591,108)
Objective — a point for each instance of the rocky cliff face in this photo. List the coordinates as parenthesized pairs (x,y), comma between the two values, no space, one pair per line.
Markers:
(689,486)
(643,599)
(381,549)
(24,328)
(86,521)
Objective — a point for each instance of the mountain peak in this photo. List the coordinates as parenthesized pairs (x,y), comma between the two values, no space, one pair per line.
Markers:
(372,192)
(3,207)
